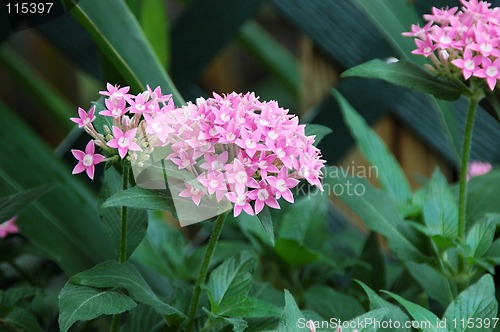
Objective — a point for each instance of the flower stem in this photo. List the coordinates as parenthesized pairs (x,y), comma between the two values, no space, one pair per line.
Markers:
(216,231)
(462,198)
(123,237)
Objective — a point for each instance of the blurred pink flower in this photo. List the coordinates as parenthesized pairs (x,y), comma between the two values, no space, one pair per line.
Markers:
(477,168)
(8,227)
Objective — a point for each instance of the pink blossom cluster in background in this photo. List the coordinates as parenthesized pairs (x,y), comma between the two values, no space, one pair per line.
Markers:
(469,38)
(8,227)
(237,147)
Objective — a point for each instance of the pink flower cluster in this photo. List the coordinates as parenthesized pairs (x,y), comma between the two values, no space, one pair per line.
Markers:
(468,38)
(238,148)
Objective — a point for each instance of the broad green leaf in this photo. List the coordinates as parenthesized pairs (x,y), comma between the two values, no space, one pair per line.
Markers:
(140,198)
(440,208)
(231,280)
(317,130)
(81,241)
(267,222)
(271,53)
(480,237)
(434,283)
(114,34)
(482,196)
(378,212)
(12,296)
(292,316)
(20,319)
(249,307)
(373,273)
(209,26)
(389,173)
(305,221)
(111,217)
(392,17)
(154,22)
(420,314)
(164,249)
(38,87)
(329,303)
(239,324)
(360,323)
(493,254)
(112,274)
(86,303)
(409,75)
(143,318)
(477,304)
(395,313)
(252,228)
(294,253)
(12,205)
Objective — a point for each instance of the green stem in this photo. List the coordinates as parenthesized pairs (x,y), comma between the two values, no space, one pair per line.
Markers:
(123,238)
(462,198)
(212,242)
(114,323)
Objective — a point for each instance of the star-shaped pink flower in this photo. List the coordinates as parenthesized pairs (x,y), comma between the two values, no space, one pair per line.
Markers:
(124,141)
(87,160)
(84,118)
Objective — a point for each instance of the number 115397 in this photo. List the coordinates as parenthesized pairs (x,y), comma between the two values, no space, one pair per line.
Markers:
(29,7)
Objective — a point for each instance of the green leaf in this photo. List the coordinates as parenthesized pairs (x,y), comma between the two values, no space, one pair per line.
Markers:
(239,324)
(38,87)
(271,53)
(154,21)
(20,319)
(482,196)
(317,130)
(329,303)
(111,217)
(164,249)
(440,208)
(305,221)
(391,18)
(114,33)
(194,30)
(81,241)
(249,307)
(267,222)
(480,237)
(394,312)
(357,324)
(294,253)
(477,304)
(291,315)
(373,273)
(143,318)
(125,275)
(12,205)
(409,75)
(378,212)
(140,198)
(434,283)
(420,314)
(231,280)
(388,172)
(86,303)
